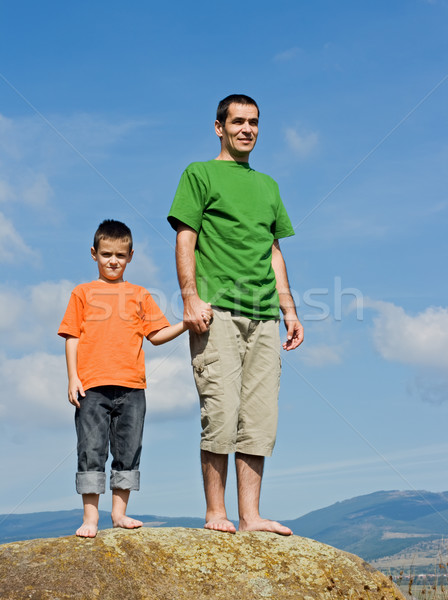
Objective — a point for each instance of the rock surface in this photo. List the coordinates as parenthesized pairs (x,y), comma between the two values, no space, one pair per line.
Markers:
(181,564)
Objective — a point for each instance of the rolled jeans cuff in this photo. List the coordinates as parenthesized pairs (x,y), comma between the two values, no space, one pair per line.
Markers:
(90,482)
(125,480)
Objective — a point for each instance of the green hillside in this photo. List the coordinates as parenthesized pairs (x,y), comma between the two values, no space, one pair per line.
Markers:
(66,522)
(372,526)
(378,524)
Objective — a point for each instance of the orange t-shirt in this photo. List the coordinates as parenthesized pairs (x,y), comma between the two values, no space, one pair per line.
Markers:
(111,320)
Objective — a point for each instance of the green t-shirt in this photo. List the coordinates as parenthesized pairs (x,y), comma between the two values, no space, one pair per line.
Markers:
(237,213)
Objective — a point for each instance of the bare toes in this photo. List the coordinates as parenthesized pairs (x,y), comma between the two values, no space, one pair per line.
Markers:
(220,525)
(265,525)
(127,523)
(87,530)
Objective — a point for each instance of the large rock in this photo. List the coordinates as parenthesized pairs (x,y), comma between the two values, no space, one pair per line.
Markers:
(181,564)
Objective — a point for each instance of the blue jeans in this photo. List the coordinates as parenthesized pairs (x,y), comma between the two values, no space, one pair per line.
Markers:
(109,414)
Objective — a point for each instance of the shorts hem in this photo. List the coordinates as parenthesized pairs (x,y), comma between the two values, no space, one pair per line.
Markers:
(216,449)
(247,449)
(254,450)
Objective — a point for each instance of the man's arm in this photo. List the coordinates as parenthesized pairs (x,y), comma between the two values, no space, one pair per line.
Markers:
(194,307)
(74,383)
(293,326)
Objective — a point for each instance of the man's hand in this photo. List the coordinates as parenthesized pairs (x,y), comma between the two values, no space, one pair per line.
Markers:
(197,314)
(294,332)
(75,388)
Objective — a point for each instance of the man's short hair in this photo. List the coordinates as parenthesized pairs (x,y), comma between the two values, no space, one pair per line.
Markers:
(112,230)
(223,106)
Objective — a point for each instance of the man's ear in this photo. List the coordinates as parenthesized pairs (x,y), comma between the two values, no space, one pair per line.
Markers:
(218,128)
(93,253)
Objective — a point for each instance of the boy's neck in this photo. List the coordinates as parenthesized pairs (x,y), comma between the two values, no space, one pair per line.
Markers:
(111,281)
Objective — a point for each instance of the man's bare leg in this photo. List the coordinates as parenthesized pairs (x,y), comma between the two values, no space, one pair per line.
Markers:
(120,500)
(249,472)
(89,527)
(214,473)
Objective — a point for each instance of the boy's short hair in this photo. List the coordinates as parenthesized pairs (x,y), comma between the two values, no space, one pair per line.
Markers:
(112,230)
(223,106)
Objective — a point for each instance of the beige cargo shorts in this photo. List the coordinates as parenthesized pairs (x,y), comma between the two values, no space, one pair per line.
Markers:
(236,367)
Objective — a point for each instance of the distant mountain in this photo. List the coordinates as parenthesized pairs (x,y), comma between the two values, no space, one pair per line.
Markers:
(65,522)
(372,526)
(378,524)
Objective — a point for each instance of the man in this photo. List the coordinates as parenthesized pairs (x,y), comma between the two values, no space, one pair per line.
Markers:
(228,219)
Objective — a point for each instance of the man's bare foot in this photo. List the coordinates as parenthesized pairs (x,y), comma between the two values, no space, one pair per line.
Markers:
(220,524)
(87,530)
(264,525)
(126,522)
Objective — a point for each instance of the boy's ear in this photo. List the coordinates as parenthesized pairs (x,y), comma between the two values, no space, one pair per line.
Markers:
(131,254)
(93,253)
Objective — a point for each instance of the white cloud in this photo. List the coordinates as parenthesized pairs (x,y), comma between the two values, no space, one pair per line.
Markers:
(320,355)
(302,145)
(32,189)
(9,144)
(12,245)
(29,320)
(7,192)
(430,387)
(407,456)
(171,390)
(39,192)
(49,300)
(12,307)
(91,131)
(418,340)
(34,390)
(48,143)
(142,267)
(30,317)
(287,55)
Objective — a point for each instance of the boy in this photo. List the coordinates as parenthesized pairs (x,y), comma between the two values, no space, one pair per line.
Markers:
(104,326)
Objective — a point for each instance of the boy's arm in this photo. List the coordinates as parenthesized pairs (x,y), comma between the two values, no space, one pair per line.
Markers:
(74,383)
(172,331)
(166,334)
(294,329)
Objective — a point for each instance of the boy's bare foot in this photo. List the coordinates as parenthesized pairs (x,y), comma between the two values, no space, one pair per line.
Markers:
(126,522)
(220,524)
(87,530)
(264,525)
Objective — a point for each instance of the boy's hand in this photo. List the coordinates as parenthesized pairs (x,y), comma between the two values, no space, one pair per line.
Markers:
(207,315)
(74,389)
(195,310)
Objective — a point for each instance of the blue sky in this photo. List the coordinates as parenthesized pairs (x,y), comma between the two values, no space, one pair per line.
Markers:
(102,105)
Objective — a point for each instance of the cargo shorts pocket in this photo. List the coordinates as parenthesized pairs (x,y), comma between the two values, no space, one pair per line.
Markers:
(207,373)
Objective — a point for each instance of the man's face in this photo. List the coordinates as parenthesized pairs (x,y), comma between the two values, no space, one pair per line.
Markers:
(239,133)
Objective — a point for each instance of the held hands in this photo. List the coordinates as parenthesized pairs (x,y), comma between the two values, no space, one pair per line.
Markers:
(75,388)
(207,315)
(294,332)
(197,314)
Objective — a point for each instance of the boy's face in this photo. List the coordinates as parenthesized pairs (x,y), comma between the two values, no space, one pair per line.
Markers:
(112,258)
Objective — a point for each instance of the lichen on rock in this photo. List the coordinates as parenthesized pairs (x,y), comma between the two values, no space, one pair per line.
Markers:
(186,564)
